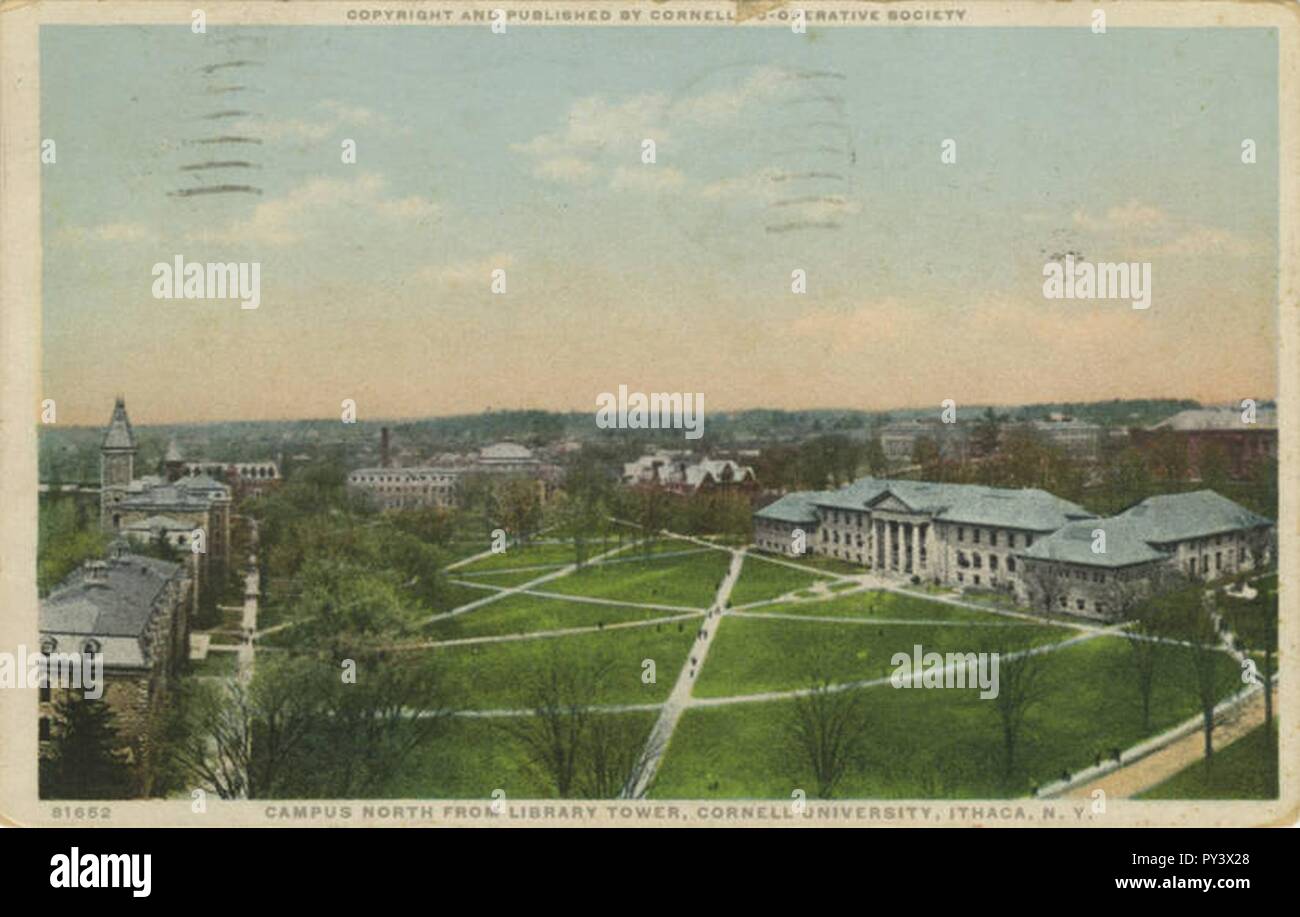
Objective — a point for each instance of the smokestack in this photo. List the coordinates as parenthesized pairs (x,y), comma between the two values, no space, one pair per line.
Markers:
(383,448)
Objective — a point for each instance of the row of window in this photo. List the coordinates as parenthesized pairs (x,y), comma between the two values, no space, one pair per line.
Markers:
(977,561)
(993,537)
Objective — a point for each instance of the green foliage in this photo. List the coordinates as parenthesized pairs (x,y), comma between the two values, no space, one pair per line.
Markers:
(86,761)
(66,538)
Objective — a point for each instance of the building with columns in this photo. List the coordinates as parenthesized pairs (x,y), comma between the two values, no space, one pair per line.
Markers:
(1006,540)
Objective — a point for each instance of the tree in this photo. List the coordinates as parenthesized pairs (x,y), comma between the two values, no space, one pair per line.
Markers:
(1021,686)
(86,760)
(575,749)
(987,433)
(1191,618)
(826,726)
(520,506)
(239,740)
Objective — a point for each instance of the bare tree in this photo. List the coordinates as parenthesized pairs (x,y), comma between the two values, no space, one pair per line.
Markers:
(1128,595)
(238,740)
(577,749)
(1191,620)
(618,754)
(826,727)
(1021,686)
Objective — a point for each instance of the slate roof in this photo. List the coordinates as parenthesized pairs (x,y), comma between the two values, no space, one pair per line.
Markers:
(1132,536)
(797,507)
(1073,544)
(1178,517)
(1028,509)
(119,434)
(116,613)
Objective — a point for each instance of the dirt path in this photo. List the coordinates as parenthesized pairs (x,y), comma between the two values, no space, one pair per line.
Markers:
(1178,755)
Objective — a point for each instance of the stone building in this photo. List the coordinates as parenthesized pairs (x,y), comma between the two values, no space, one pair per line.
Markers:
(1084,567)
(128,503)
(133,611)
(1013,541)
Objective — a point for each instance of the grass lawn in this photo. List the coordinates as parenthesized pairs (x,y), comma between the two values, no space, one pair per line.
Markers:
(221,664)
(527,556)
(502,579)
(471,759)
(527,613)
(818,562)
(691,580)
(1246,769)
(488,676)
(939,743)
(887,605)
(756,654)
(762,579)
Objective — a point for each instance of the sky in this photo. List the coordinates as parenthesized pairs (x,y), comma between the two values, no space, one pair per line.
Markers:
(774,152)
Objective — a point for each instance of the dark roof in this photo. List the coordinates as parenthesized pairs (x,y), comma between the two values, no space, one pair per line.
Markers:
(119,434)
(119,607)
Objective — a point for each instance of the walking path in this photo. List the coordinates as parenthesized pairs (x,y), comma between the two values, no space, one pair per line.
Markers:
(1159,766)
(522,587)
(252,589)
(680,697)
(542,634)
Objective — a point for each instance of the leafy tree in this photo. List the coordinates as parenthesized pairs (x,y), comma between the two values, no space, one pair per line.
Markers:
(86,761)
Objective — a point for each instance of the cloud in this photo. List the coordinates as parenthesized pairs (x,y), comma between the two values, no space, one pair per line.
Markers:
(1129,216)
(601,135)
(463,274)
(292,217)
(330,118)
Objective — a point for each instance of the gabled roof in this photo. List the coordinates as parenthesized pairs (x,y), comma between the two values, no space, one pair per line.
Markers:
(1074,544)
(795,508)
(1028,508)
(1178,517)
(119,434)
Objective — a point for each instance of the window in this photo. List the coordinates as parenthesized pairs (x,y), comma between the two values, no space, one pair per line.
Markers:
(975,535)
(961,533)
(977,579)
(993,561)
(1011,565)
(1029,540)
(993,538)
(978,561)
(1079,603)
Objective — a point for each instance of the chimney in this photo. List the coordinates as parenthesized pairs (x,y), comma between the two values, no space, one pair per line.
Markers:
(96,573)
(383,448)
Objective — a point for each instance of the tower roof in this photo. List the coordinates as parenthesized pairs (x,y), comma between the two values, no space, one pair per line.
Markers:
(173,451)
(119,434)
